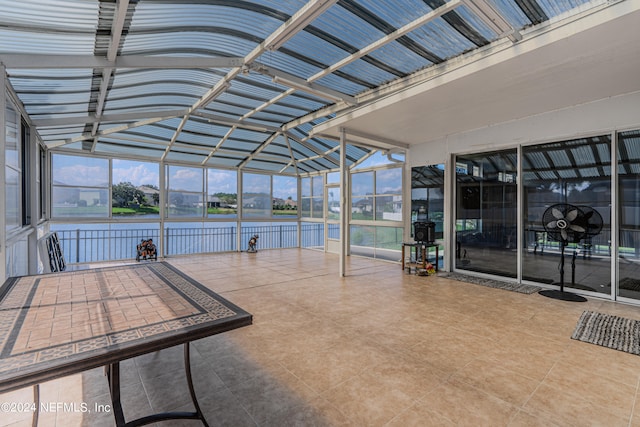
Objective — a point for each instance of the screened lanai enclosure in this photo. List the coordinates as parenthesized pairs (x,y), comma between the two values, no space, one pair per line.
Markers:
(201,123)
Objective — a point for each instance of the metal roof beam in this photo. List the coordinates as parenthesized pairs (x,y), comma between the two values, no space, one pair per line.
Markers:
(494,19)
(45,61)
(243,124)
(295,82)
(109,118)
(307,14)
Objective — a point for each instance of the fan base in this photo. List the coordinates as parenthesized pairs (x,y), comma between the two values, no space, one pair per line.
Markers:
(561,295)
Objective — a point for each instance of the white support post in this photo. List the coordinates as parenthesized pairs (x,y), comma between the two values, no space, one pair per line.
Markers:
(3,133)
(344,222)
(449,225)
(615,212)
(162,201)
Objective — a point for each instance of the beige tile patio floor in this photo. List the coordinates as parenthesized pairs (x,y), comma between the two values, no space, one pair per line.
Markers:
(376,348)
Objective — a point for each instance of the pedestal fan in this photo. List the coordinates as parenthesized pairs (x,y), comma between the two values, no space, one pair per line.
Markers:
(565,224)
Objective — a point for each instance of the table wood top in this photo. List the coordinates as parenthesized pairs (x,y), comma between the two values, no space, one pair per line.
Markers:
(58,324)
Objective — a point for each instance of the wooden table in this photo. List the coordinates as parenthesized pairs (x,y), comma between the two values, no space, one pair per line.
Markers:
(60,324)
(423,254)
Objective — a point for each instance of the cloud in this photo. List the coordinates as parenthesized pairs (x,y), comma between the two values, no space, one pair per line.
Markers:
(82,175)
(136,173)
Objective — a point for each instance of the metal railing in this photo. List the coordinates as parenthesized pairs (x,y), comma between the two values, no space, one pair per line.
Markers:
(83,246)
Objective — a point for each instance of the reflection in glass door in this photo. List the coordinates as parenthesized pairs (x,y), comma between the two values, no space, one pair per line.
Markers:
(486,213)
(332,217)
(629,214)
(568,183)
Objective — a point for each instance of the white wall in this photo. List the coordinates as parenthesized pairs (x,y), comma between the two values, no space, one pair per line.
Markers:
(595,118)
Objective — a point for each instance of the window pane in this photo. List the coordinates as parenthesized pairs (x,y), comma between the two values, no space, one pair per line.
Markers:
(12,155)
(185,179)
(389,208)
(285,196)
(87,202)
(427,196)
(362,208)
(12,199)
(318,207)
(186,193)
(486,213)
(256,195)
(222,190)
(333,178)
(389,181)
(80,171)
(570,176)
(318,186)
(135,190)
(305,187)
(80,187)
(306,207)
(333,206)
(362,183)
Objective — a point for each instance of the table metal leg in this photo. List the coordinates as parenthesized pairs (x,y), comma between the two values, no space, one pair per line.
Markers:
(36,401)
(113,375)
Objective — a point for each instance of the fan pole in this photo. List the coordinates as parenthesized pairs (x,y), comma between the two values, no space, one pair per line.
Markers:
(562,245)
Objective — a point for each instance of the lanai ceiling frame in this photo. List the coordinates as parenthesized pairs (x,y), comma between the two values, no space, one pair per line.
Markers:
(267,69)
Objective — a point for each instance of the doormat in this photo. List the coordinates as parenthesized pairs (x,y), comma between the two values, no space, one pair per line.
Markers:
(609,331)
(491,283)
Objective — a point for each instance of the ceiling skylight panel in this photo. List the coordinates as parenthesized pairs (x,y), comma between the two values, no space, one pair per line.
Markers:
(202,78)
(512,13)
(222,105)
(257,85)
(46,43)
(400,57)
(476,23)
(127,149)
(441,39)
(35,85)
(160,99)
(397,13)
(285,110)
(248,135)
(557,7)
(151,15)
(294,64)
(246,100)
(55,100)
(368,72)
(70,15)
(303,101)
(154,132)
(158,88)
(191,42)
(343,85)
(269,119)
(352,29)
(321,51)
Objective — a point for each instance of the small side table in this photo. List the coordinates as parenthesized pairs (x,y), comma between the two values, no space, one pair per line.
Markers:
(424,247)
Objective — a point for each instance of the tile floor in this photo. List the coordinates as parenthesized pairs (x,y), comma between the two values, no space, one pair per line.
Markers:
(376,348)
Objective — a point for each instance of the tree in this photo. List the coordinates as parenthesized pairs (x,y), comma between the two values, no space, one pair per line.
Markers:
(125,194)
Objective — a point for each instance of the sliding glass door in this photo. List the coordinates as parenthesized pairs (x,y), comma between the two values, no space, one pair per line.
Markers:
(566,205)
(486,213)
(629,214)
